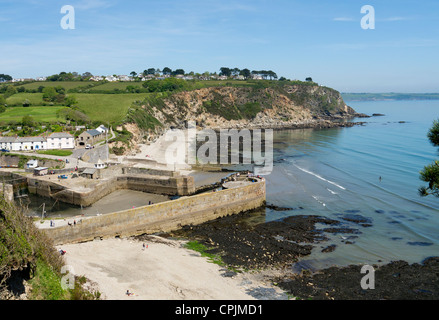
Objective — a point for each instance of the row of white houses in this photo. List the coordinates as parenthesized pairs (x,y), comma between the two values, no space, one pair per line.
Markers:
(57,140)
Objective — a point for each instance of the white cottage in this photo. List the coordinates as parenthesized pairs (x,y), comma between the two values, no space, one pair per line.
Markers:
(32,164)
(29,144)
(60,140)
(100,164)
(6,142)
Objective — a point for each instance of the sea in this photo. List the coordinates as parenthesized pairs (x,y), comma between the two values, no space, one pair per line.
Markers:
(369,171)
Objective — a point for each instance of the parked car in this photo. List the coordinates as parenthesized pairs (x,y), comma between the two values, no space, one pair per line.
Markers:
(4,150)
(62,176)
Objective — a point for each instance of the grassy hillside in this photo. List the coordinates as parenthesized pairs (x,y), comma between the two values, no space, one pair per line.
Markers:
(107,108)
(39,114)
(17,99)
(27,254)
(111,102)
(65,84)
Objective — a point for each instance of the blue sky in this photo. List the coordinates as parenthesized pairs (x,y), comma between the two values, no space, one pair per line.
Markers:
(296,39)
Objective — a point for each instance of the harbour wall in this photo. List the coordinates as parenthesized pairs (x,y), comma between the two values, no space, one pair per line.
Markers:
(179,185)
(164,216)
(145,180)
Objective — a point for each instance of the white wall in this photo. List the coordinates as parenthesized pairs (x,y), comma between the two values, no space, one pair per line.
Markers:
(60,143)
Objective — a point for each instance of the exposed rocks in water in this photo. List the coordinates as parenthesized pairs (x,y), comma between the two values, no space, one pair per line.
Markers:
(378,115)
(358,219)
(329,248)
(419,243)
(394,281)
(277,208)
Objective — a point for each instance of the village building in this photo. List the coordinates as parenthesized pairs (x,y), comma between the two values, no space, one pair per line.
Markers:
(57,140)
(89,137)
(29,143)
(6,142)
(41,171)
(60,140)
(102,129)
(31,164)
(23,143)
(100,164)
(89,173)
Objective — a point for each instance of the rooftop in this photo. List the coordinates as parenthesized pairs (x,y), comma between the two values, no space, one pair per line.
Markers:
(60,135)
(93,132)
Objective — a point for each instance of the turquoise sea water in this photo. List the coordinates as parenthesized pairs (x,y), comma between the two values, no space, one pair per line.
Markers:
(336,172)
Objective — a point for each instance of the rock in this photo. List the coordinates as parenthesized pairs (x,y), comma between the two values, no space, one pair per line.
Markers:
(329,248)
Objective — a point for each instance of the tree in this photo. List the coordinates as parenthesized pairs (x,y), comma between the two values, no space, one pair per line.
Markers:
(70,101)
(167,71)
(235,71)
(309,79)
(27,121)
(245,73)
(133,74)
(2,100)
(225,72)
(86,75)
(430,173)
(178,72)
(49,94)
(5,77)
(10,90)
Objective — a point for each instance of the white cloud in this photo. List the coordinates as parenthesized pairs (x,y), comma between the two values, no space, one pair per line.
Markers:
(343,19)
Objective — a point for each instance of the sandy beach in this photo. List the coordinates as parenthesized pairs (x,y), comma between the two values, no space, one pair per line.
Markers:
(163,270)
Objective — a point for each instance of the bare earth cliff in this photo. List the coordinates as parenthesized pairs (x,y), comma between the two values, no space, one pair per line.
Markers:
(275,106)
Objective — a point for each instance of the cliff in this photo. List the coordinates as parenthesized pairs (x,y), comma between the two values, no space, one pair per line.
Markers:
(292,105)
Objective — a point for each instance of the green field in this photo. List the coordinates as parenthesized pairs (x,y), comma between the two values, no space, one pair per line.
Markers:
(40,114)
(108,108)
(61,153)
(35,99)
(65,84)
(98,107)
(110,86)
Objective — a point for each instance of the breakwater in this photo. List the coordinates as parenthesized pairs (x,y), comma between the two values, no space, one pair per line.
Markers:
(164,216)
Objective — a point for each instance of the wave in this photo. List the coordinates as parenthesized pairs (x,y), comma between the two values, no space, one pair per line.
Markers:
(317,199)
(320,177)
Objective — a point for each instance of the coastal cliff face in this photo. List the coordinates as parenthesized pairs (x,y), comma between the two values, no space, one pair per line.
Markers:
(276,106)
